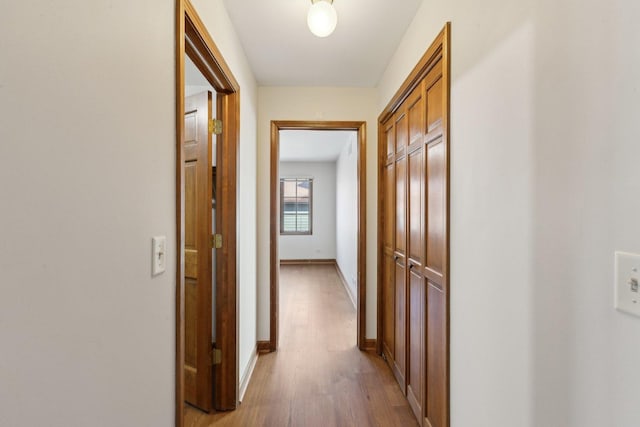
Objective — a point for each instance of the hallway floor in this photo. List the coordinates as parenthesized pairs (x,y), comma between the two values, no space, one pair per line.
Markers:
(317,377)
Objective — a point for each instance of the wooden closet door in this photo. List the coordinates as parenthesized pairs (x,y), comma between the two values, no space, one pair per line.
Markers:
(414,282)
(436,206)
(415,279)
(388,244)
(400,363)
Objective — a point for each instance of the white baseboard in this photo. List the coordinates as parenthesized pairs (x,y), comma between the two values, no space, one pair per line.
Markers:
(244,381)
(346,286)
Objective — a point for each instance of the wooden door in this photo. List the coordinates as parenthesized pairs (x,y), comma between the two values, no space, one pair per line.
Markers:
(436,249)
(415,225)
(197,252)
(400,363)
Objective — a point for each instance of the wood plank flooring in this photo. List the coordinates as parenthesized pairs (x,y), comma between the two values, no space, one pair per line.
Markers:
(317,377)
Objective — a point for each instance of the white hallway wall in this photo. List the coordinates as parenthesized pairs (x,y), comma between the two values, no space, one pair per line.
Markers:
(82,322)
(321,244)
(347,213)
(544,140)
(303,103)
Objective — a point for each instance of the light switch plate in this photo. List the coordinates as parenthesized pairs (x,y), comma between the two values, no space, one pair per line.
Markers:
(159,255)
(627,293)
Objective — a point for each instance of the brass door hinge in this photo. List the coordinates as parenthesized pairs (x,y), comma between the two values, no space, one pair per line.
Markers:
(215,126)
(216,241)
(216,356)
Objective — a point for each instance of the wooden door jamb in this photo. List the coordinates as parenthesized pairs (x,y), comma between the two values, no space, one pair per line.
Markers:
(361,291)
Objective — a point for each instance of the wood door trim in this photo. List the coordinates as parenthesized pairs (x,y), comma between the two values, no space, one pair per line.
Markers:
(263,347)
(180,319)
(360,127)
(430,58)
(440,50)
(208,55)
(192,38)
(370,345)
(308,262)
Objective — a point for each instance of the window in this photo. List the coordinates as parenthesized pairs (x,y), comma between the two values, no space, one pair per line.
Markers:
(295,205)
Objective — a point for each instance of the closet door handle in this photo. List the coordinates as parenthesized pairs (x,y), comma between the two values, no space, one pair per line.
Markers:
(396,258)
(411,265)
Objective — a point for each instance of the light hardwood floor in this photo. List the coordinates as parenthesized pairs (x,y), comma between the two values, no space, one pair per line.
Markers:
(317,377)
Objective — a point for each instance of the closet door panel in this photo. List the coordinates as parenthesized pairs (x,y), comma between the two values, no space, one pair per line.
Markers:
(436,390)
(415,372)
(388,276)
(402,133)
(390,142)
(435,100)
(389,207)
(389,295)
(436,208)
(400,271)
(399,365)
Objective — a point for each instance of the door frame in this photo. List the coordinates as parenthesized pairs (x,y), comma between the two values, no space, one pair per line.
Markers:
(361,288)
(193,39)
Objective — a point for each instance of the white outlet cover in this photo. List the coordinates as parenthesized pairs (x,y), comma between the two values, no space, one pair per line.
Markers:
(159,255)
(627,268)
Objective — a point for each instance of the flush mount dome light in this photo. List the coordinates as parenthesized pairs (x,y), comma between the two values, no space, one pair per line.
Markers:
(322,17)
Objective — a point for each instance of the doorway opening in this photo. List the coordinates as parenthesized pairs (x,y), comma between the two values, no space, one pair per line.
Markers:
(206,157)
(292,199)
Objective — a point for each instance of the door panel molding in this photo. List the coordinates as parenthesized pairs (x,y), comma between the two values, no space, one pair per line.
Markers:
(193,39)
(360,128)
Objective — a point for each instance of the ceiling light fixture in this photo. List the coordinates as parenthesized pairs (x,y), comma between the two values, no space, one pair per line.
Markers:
(322,17)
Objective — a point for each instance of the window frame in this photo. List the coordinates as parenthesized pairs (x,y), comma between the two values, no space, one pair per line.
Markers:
(309,232)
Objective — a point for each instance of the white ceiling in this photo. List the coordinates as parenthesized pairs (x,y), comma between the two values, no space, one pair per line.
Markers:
(313,145)
(283,52)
